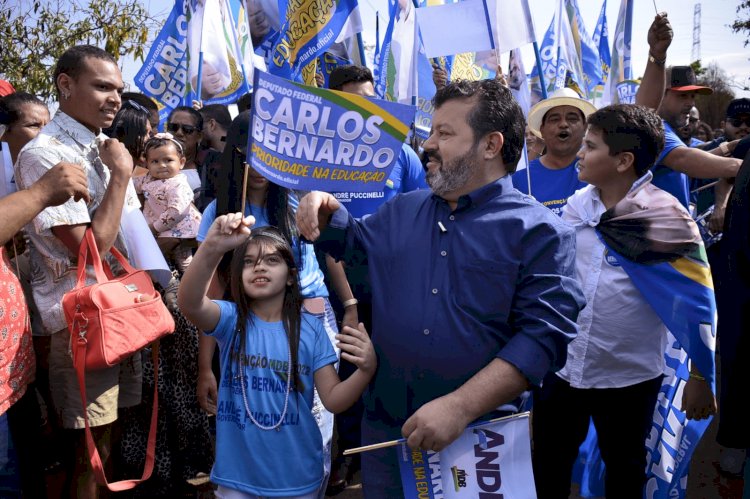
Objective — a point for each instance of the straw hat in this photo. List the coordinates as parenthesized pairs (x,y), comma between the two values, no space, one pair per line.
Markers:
(560,97)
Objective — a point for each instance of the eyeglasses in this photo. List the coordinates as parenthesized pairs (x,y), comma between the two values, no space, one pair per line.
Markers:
(188,129)
(737,122)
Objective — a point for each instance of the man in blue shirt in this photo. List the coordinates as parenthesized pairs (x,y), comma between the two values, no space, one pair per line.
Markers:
(677,161)
(561,121)
(474,291)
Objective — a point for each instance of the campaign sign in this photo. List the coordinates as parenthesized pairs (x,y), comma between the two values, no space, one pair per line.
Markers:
(490,460)
(626,91)
(315,139)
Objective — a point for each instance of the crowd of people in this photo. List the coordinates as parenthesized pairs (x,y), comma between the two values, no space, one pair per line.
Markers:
(457,290)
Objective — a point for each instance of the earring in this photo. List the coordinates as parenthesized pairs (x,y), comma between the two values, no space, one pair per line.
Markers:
(66,95)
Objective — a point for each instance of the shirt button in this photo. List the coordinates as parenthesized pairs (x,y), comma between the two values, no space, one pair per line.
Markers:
(434,291)
(451,217)
(426,332)
(443,253)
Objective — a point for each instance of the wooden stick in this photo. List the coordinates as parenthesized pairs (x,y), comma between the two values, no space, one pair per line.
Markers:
(393,443)
(244,187)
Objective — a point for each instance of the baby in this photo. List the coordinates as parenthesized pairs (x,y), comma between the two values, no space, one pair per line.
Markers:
(169,208)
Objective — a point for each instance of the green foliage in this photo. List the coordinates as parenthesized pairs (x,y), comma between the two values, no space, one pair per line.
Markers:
(34,34)
(713,107)
(742,24)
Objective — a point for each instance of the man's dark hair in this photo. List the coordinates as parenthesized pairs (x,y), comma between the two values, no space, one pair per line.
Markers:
(71,62)
(12,104)
(630,128)
(351,73)
(217,112)
(192,112)
(142,99)
(495,110)
(245,102)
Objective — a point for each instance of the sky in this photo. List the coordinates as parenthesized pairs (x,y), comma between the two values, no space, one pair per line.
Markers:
(718,43)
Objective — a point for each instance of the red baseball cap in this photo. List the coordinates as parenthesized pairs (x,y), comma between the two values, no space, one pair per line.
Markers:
(6,88)
(682,79)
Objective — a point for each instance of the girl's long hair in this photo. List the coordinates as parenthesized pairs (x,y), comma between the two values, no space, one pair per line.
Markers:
(269,240)
(279,210)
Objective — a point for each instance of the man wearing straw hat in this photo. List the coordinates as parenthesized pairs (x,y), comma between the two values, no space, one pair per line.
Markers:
(561,121)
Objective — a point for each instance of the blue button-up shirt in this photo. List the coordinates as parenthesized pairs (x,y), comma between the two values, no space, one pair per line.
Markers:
(454,289)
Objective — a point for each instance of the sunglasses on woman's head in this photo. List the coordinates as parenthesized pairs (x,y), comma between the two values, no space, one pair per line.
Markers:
(188,129)
(131,104)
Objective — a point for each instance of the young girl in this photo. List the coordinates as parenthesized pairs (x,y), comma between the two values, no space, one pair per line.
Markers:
(169,208)
(271,355)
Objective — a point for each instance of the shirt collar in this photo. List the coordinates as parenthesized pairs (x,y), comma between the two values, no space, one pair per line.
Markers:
(82,135)
(483,194)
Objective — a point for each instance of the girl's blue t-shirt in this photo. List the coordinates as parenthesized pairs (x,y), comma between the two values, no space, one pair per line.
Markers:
(287,462)
(311,280)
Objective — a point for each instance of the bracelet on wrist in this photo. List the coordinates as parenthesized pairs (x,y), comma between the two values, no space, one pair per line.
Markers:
(658,62)
(349,303)
(697,376)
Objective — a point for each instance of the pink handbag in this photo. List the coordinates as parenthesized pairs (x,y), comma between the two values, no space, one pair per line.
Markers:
(108,322)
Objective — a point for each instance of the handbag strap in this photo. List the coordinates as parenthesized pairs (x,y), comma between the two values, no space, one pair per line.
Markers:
(101,267)
(96,462)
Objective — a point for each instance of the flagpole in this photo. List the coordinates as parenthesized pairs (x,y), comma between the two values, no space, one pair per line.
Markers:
(393,443)
(414,98)
(539,69)
(199,83)
(361,45)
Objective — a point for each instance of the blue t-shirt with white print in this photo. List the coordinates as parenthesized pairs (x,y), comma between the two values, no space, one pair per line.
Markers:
(287,462)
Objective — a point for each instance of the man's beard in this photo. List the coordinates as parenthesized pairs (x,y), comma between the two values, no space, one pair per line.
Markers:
(451,176)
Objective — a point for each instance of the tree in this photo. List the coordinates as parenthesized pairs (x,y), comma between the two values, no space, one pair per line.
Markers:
(713,108)
(743,20)
(34,34)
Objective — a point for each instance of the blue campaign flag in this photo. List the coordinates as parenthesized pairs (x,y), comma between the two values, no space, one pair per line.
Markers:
(309,28)
(601,40)
(316,139)
(327,63)
(681,293)
(164,74)
(588,52)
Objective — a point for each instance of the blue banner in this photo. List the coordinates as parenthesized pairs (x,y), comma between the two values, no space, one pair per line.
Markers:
(588,52)
(164,74)
(327,63)
(315,139)
(310,27)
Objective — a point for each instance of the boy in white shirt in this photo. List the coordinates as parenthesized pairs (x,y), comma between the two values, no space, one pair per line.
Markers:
(615,365)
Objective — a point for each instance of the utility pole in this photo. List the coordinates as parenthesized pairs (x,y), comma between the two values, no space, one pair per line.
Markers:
(696,55)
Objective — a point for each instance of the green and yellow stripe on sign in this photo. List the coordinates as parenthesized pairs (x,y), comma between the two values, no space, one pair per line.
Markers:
(352,102)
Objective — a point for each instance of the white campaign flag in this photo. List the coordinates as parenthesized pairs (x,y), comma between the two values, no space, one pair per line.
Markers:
(491,459)
(454,28)
(512,25)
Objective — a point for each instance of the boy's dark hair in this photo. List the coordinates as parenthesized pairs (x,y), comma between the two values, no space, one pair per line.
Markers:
(630,128)
(495,110)
(351,73)
(217,112)
(11,104)
(269,240)
(192,112)
(71,62)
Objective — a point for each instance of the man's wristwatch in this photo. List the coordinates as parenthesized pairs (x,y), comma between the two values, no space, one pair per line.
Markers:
(658,62)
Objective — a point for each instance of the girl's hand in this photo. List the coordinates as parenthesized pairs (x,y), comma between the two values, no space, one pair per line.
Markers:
(357,348)
(228,232)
